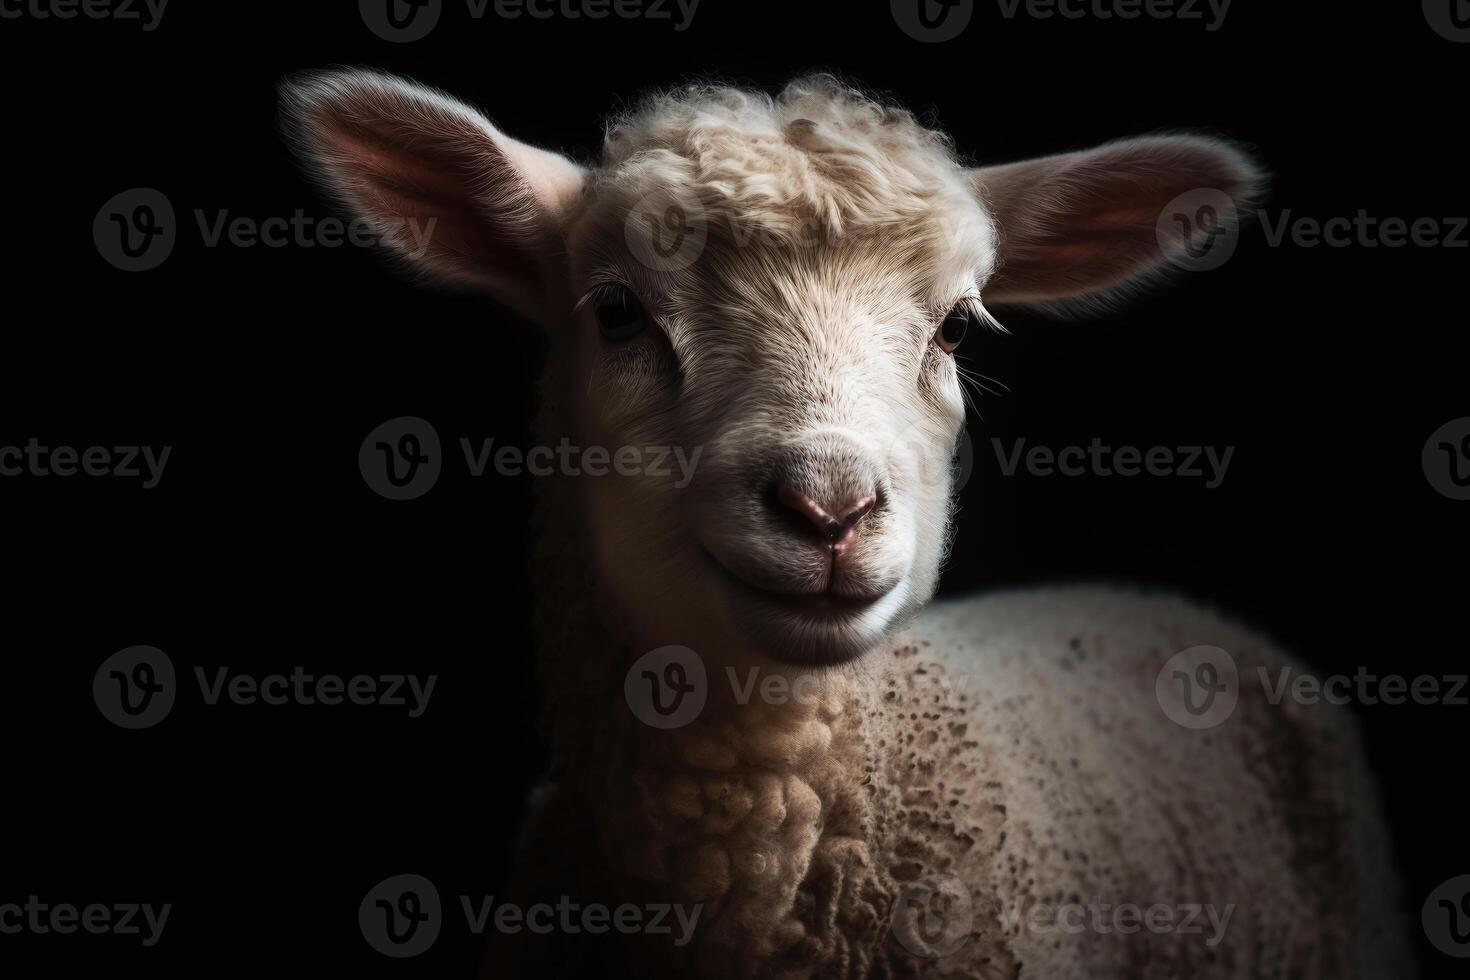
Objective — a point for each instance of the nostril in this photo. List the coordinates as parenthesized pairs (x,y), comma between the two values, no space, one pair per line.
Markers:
(808,509)
(834,525)
(856,510)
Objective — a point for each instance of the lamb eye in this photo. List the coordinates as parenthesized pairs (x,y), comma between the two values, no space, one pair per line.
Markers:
(952,330)
(619,314)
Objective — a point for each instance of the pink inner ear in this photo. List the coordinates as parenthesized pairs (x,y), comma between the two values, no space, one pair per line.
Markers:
(1116,219)
(1084,223)
(419,190)
(454,197)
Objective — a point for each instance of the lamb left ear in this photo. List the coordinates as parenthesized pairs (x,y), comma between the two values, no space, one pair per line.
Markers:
(451,194)
(1077,225)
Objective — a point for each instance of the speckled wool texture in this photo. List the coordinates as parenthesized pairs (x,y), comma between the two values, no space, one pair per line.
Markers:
(1012,741)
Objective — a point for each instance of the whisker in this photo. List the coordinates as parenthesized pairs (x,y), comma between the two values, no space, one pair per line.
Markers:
(981,381)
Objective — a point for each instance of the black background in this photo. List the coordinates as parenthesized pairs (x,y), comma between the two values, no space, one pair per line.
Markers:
(264,368)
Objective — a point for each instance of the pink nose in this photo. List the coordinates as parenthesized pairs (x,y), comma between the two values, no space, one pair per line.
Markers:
(835,528)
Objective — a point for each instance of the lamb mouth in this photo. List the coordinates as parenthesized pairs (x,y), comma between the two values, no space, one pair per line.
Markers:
(824,603)
(814,629)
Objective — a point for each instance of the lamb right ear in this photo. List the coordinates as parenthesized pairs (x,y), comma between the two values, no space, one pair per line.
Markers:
(451,194)
(1083,225)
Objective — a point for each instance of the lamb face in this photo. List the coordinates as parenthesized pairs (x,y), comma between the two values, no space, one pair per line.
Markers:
(771,287)
(823,413)
(764,283)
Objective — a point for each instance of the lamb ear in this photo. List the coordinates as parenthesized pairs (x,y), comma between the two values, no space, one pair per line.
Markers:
(1077,225)
(451,194)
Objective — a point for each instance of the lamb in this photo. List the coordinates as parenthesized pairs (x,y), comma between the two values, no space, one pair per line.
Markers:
(971,788)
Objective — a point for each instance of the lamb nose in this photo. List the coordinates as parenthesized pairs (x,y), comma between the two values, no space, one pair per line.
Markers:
(835,526)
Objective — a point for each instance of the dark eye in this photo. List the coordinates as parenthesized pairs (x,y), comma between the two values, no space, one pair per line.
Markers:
(619,314)
(952,330)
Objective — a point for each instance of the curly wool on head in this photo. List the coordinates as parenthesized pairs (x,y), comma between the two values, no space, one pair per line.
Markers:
(819,151)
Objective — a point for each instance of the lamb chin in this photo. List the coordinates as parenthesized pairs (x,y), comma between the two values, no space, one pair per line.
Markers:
(820,631)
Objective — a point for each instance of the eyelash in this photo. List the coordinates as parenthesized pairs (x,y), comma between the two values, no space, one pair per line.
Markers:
(599,291)
(968,305)
(974,308)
